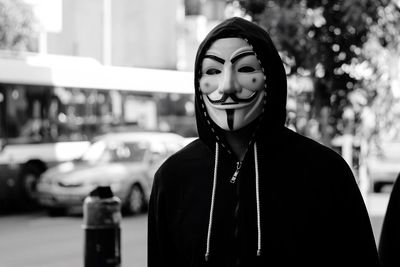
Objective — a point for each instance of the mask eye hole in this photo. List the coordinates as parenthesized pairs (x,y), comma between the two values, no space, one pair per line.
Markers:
(213,71)
(246,69)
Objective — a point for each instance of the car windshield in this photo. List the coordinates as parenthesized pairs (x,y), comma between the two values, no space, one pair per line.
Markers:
(128,152)
(100,151)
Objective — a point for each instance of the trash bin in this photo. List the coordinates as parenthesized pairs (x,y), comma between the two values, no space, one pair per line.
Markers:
(101,223)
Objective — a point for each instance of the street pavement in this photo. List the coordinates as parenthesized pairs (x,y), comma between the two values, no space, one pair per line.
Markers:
(37,240)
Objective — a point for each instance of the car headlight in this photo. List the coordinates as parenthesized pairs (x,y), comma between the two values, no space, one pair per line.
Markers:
(70,184)
(116,187)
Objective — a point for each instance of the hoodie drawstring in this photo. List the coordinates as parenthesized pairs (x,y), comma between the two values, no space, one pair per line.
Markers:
(212,201)
(257,201)
(210,221)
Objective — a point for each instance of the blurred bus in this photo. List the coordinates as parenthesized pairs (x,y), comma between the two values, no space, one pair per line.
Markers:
(51,106)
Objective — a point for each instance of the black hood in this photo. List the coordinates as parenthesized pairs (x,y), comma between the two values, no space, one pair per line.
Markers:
(275,110)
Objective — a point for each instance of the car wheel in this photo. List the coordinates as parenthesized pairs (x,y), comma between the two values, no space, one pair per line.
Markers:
(136,200)
(28,178)
(28,183)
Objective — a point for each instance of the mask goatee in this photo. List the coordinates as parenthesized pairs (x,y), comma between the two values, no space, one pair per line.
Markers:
(230,118)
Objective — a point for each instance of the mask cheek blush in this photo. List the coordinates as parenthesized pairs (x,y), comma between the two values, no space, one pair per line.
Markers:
(254,81)
(208,85)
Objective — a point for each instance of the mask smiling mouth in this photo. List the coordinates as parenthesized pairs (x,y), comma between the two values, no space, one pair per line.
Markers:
(237,100)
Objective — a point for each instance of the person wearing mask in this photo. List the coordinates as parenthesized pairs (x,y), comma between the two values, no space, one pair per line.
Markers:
(249,191)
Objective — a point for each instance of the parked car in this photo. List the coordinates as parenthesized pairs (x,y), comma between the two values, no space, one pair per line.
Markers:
(383,164)
(188,140)
(124,161)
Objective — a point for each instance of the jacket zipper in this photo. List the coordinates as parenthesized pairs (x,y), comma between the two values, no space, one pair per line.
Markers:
(235,174)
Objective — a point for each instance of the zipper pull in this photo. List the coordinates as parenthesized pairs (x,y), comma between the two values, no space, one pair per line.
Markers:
(235,174)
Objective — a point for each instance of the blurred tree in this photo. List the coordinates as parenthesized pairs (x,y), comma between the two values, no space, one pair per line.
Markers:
(378,69)
(321,38)
(17,24)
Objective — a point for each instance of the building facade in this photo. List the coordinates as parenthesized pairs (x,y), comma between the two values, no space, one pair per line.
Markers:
(128,33)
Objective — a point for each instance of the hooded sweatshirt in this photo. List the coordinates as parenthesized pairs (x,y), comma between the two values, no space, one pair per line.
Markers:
(389,242)
(294,202)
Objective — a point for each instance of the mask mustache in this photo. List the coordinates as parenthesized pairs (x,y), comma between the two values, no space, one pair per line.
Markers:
(234,98)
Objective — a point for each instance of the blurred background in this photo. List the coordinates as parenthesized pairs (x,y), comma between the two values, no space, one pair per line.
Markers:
(72,70)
